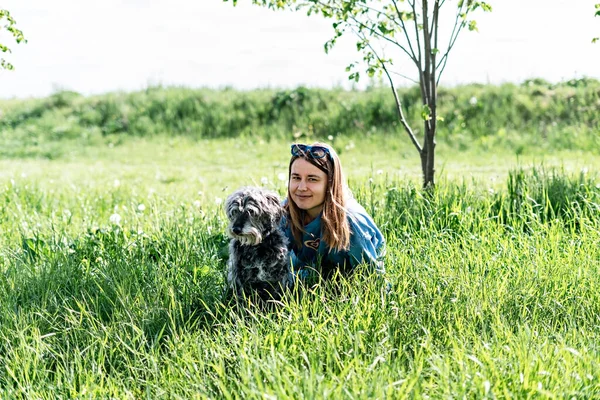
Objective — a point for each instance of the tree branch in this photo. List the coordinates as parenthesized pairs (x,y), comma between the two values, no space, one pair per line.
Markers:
(381,36)
(403,121)
(405,77)
(420,59)
(414,56)
(427,44)
(458,25)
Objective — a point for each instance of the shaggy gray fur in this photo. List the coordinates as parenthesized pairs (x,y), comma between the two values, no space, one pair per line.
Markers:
(258,252)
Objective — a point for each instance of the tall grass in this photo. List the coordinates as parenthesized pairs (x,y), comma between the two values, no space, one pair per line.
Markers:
(493,295)
(533,115)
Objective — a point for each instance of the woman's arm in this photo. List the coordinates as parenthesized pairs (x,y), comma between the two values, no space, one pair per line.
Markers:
(367,244)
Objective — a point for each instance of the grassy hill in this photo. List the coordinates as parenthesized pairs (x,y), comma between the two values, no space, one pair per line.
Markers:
(534,115)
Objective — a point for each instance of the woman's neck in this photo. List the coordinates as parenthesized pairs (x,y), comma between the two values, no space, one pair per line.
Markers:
(307,218)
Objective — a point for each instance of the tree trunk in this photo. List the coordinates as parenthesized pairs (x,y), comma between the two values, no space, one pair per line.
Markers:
(428,79)
(430,131)
(429,171)
(428,156)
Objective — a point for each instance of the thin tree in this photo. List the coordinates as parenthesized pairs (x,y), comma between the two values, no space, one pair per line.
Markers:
(9,26)
(409,28)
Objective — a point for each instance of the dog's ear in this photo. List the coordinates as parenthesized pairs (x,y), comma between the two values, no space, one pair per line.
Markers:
(228,204)
(275,204)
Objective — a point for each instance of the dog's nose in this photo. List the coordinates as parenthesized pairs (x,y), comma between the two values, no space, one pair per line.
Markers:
(237,230)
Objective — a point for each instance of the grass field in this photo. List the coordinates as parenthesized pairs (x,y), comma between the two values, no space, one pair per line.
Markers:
(112,259)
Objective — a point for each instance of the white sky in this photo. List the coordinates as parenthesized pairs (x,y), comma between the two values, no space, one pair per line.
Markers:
(99,46)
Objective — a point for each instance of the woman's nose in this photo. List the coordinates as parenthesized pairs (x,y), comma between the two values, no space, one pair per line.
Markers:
(302,185)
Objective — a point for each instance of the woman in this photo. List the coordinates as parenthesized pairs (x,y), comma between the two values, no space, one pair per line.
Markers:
(327,229)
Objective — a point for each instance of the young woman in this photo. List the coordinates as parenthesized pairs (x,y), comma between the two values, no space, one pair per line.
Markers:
(327,229)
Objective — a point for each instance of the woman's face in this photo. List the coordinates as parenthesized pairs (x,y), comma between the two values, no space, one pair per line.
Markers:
(308,185)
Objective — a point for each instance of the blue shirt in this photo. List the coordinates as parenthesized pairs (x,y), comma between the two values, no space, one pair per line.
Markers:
(367,246)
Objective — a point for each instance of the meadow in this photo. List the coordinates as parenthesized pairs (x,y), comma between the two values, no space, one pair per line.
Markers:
(113,247)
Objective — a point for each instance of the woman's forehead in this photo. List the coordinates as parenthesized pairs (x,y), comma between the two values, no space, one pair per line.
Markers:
(304,168)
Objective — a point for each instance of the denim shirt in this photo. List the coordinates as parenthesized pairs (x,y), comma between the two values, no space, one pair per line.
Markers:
(367,246)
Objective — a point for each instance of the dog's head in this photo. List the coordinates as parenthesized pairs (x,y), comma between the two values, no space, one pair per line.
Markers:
(253,213)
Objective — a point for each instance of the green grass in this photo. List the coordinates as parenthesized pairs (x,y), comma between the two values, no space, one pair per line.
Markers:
(494,278)
(535,116)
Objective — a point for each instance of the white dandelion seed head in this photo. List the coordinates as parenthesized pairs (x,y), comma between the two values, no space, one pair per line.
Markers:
(379,171)
(281,176)
(473,100)
(218,201)
(264,180)
(115,219)
(67,213)
(141,207)
(330,137)
(197,203)
(116,183)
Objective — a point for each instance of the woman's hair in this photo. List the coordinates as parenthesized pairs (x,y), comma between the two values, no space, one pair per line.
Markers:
(334,223)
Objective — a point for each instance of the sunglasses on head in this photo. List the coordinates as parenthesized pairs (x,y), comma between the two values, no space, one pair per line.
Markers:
(303,150)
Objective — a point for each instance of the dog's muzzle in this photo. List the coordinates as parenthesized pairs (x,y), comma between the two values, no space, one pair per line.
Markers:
(247,236)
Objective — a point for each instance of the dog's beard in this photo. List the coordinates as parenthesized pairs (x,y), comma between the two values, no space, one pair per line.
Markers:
(249,237)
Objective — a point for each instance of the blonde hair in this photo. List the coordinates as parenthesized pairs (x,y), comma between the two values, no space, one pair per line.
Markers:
(334,222)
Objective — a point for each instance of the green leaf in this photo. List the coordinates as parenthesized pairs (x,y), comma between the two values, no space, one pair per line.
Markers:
(383,28)
(426,112)
(594,40)
(486,7)
(473,26)
(355,76)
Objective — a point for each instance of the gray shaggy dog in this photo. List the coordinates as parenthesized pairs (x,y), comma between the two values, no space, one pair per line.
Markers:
(258,251)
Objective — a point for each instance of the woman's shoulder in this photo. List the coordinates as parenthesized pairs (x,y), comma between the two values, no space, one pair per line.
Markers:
(358,217)
(355,210)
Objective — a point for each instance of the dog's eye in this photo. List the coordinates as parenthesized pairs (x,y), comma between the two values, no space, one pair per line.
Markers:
(252,211)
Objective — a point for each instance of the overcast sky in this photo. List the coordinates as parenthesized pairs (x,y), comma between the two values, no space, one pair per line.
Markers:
(99,46)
